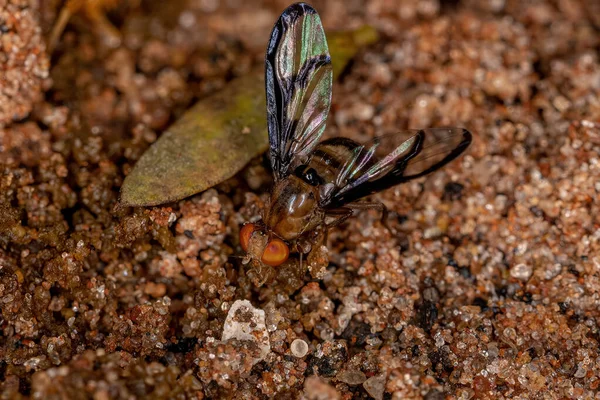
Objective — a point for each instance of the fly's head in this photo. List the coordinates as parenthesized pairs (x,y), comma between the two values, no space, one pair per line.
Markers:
(262,246)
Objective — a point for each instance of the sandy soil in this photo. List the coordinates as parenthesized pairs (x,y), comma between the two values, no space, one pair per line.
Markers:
(487,285)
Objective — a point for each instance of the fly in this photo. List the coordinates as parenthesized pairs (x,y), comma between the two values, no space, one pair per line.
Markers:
(318,184)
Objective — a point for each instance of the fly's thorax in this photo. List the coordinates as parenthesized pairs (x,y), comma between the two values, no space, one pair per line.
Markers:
(293,208)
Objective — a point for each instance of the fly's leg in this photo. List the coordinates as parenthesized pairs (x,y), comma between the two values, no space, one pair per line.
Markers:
(373,206)
(318,257)
(341,214)
(337,216)
(370,206)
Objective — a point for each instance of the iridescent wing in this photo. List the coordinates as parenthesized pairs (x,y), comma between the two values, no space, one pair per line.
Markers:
(298,82)
(388,160)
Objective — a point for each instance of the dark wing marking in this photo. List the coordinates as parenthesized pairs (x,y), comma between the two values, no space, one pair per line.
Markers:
(392,159)
(298,78)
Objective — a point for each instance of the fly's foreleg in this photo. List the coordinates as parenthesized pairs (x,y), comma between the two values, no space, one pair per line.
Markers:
(314,247)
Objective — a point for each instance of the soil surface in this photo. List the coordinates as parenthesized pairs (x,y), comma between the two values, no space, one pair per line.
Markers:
(486,285)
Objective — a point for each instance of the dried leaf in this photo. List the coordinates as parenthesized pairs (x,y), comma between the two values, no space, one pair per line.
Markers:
(218,136)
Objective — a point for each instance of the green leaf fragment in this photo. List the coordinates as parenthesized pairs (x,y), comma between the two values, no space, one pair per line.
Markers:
(218,136)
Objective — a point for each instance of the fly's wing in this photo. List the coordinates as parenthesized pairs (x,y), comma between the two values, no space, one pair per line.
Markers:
(392,159)
(298,82)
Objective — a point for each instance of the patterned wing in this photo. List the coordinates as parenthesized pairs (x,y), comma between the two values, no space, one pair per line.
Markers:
(392,159)
(298,82)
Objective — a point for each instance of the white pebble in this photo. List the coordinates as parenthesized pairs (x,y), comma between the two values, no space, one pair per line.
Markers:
(299,348)
(244,322)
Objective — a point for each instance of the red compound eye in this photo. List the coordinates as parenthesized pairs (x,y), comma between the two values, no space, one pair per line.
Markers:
(276,253)
(245,234)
